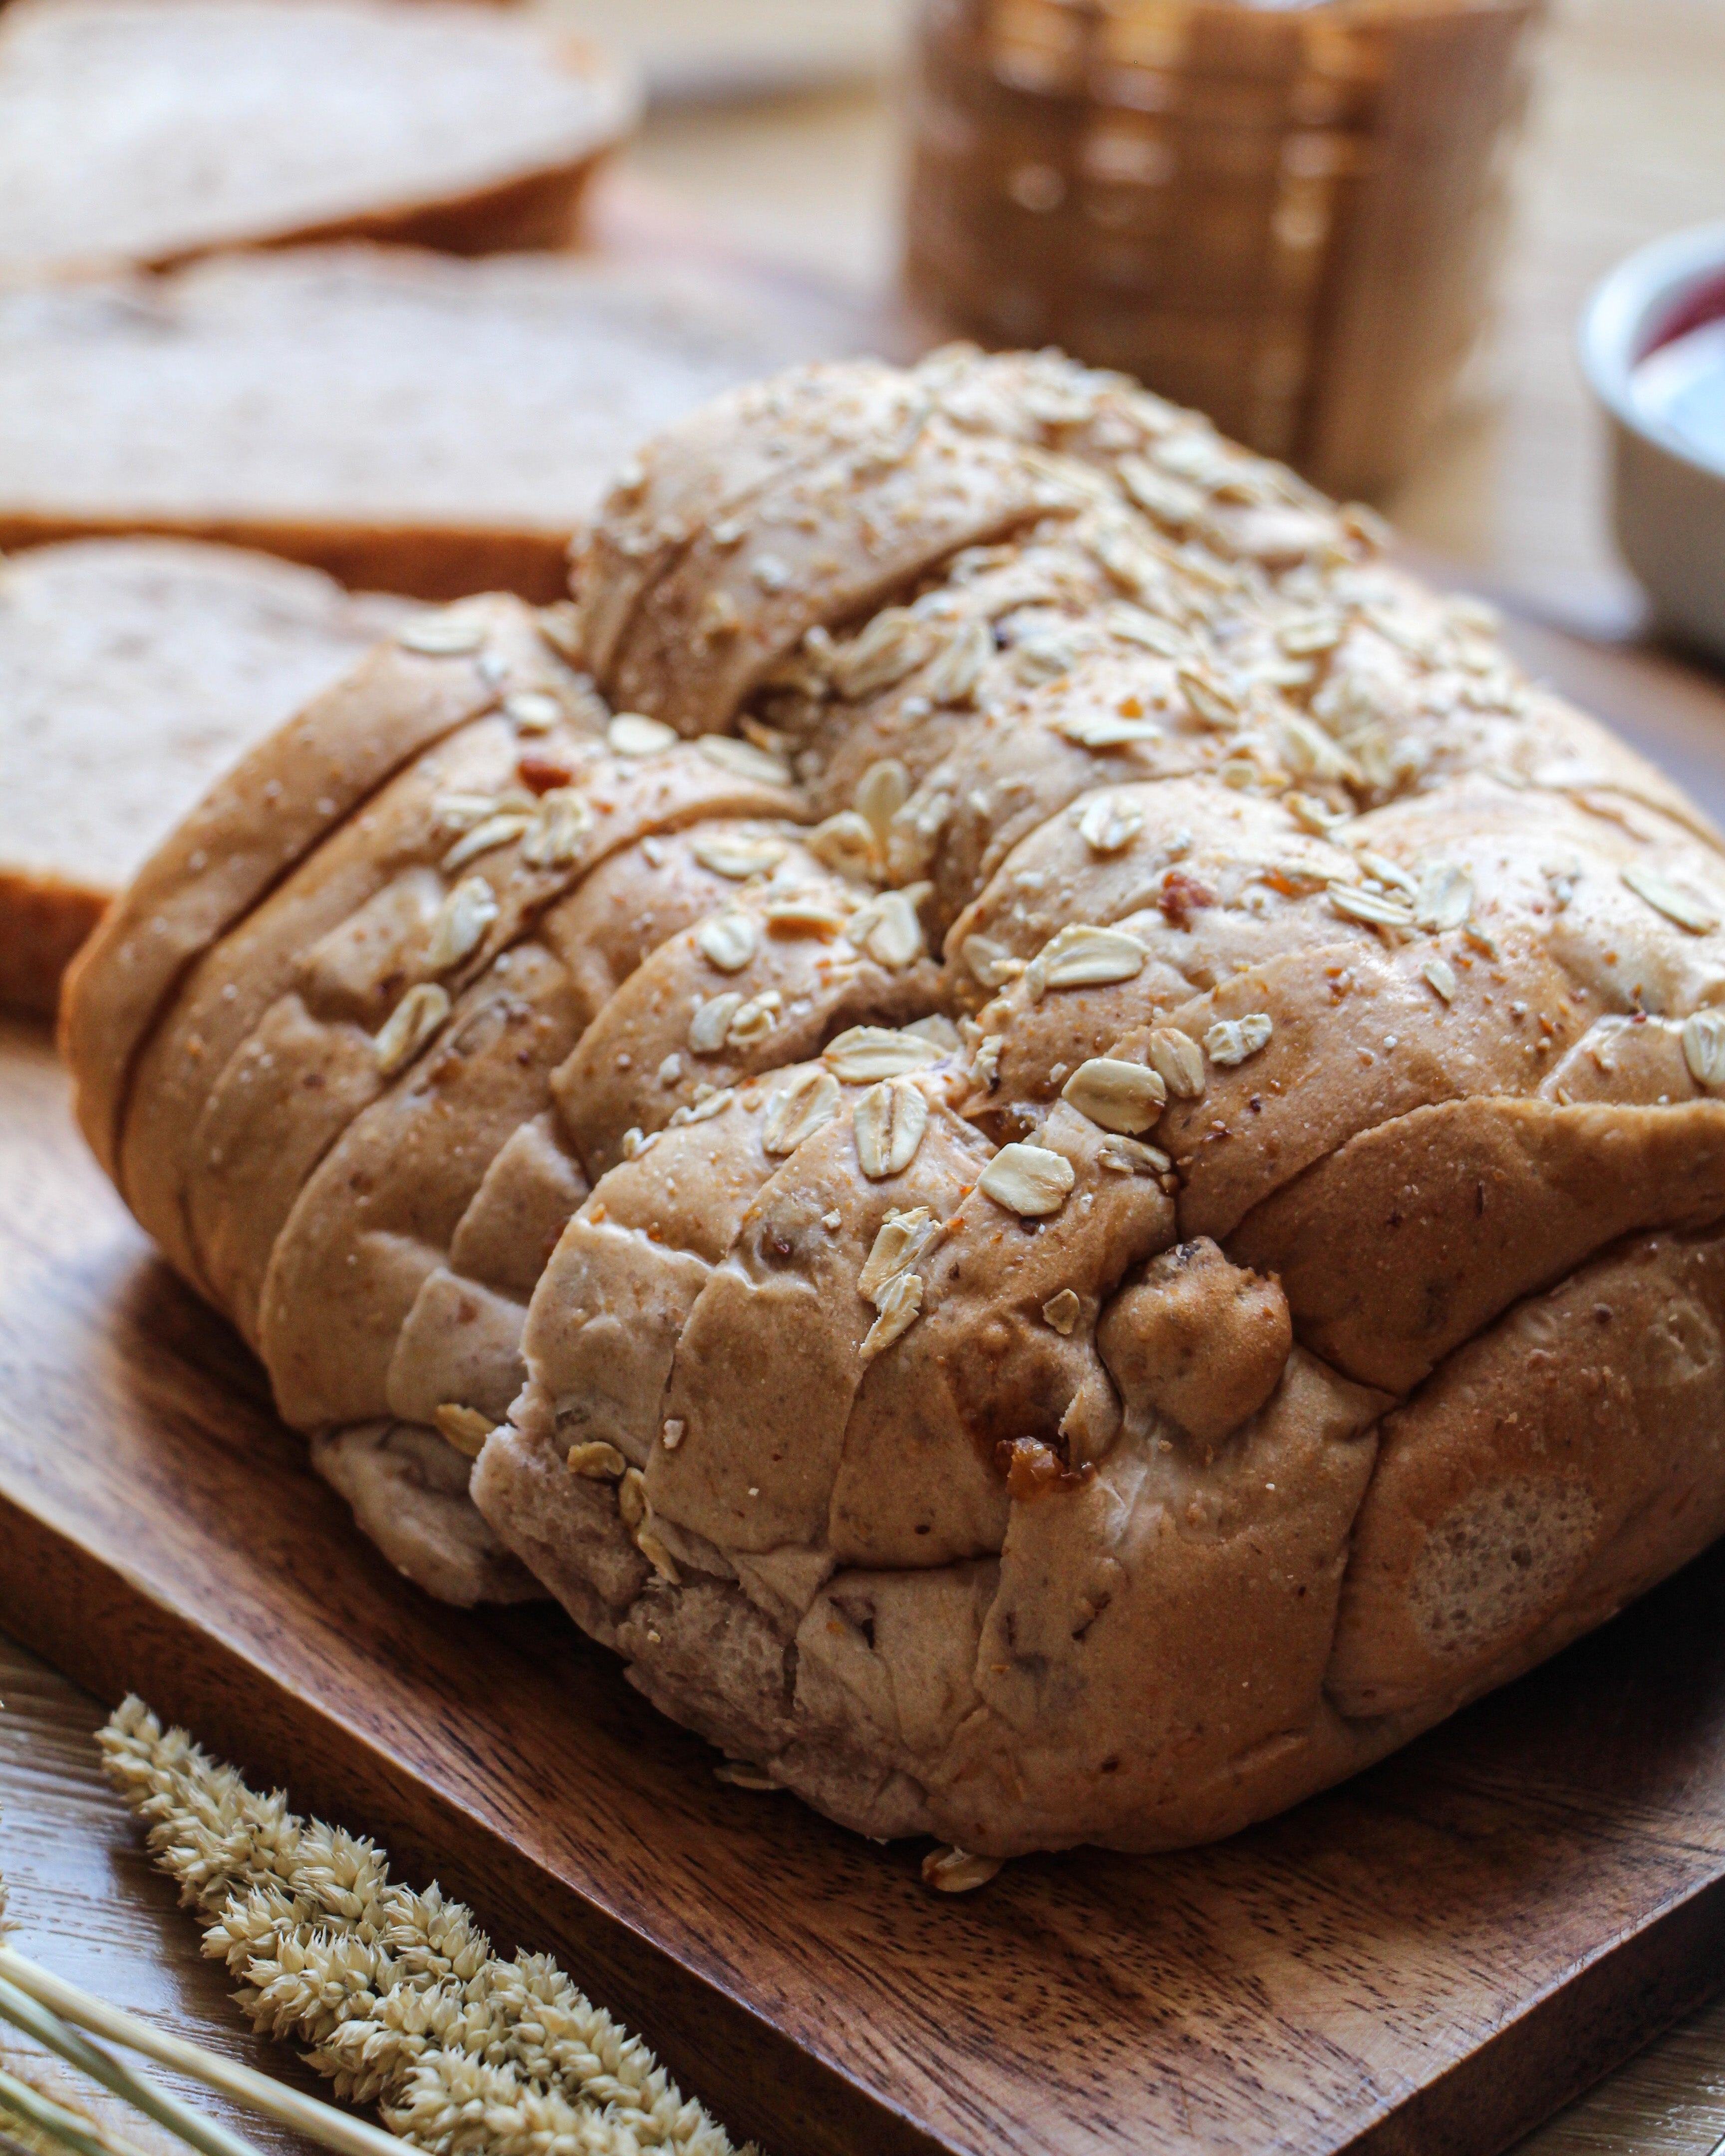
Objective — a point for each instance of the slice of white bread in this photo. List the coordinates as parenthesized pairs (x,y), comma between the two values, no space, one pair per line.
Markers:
(149,131)
(408,422)
(131,673)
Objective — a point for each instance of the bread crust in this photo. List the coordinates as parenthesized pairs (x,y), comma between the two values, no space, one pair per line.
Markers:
(322,1032)
(48,921)
(370,1225)
(408,1494)
(313,933)
(251,826)
(1543,1467)
(1405,1242)
(711,465)
(425,561)
(1135,1214)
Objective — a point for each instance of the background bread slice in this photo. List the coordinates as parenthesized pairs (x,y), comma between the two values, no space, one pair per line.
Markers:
(132,672)
(149,131)
(407,422)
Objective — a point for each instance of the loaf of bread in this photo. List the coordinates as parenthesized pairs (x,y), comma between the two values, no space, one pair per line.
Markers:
(1058,1151)
(132,673)
(148,131)
(403,421)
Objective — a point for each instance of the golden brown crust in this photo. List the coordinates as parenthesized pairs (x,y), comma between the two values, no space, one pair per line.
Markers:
(324,947)
(408,1492)
(322,1037)
(770,1359)
(728,611)
(250,829)
(801,981)
(383,1206)
(619,1285)
(1196,1342)
(701,471)
(48,921)
(1413,1237)
(425,561)
(920,1481)
(626,907)
(1567,1454)
(1086,1324)
(344,937)
(1223,1584)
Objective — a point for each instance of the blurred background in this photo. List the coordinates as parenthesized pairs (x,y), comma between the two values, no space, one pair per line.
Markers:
(779,127)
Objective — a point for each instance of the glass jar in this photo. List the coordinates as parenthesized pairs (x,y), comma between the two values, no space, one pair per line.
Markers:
(1287,215)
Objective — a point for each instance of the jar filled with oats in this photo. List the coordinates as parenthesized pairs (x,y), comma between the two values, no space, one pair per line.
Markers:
(1287,215)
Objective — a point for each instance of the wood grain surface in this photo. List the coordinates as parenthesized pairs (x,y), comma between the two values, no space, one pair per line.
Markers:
(87,1903)
(1432,1957)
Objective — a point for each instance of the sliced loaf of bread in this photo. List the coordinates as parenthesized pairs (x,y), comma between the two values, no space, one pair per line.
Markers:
(408,422)
(131,673)
(149,131)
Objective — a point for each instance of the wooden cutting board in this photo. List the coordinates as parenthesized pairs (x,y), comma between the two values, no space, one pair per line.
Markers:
(1430,1958)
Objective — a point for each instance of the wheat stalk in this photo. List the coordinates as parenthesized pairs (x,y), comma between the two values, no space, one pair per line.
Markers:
(54,2124)
(10,2145)
(321,2122)
(36,2124)
(203,2134)
(47,2008)
(396,1994)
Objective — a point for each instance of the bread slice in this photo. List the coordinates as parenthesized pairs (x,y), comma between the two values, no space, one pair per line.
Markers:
(132,672)
(407,422)
(150,130)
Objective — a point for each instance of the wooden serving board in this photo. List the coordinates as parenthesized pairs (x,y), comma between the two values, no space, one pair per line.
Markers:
(1430,1958)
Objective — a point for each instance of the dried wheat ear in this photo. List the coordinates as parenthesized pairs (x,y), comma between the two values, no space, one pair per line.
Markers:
(1026,1124)
(395,1996)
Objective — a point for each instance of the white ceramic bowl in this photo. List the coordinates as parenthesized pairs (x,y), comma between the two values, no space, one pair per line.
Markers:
(1667,487)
